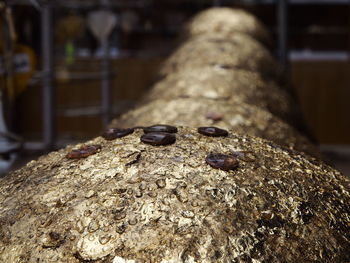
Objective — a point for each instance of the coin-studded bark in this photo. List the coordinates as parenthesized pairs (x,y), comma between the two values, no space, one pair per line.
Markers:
(242,118)
(227,21)
(133,202)
(238,51)
(215,82)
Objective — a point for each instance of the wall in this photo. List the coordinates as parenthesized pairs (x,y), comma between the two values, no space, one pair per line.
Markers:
(324,93)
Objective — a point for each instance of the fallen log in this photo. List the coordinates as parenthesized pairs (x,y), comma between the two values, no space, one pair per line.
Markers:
(238,51)
(199,199)
(221,83)
(177,194)
(227,21)
(241,118)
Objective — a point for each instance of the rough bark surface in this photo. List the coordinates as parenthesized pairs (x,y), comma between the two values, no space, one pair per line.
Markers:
(237,51)
(195,112)
(220,83)
(227,21)
(133,202)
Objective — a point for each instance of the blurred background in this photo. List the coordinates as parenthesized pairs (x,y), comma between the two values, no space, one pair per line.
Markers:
(68,66)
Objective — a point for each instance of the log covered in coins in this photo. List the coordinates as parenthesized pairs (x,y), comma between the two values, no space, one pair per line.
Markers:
(144,191)
(198,199)
(237,51)
(227,21)
(235,115)
(219,83)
